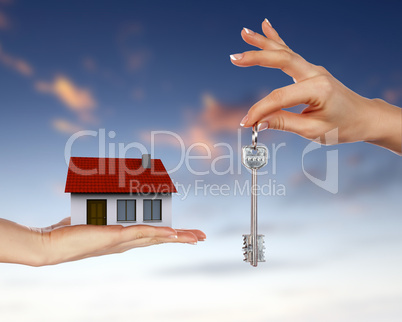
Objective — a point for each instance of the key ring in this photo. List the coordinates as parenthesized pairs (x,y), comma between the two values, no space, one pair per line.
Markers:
(254,136)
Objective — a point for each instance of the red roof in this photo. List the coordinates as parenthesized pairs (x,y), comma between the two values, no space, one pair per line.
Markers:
(109,175)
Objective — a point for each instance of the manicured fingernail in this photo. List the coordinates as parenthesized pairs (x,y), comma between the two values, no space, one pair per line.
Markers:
(262,126)
(267,21)
(172,236)
(236,56)
(192,243)
(249,31)
(244,120)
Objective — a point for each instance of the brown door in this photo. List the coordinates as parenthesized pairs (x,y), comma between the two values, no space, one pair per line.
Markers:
(96,212)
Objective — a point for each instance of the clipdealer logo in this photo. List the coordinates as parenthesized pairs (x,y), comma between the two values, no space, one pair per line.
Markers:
(330,183)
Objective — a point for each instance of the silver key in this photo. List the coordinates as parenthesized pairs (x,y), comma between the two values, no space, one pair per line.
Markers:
(254,157)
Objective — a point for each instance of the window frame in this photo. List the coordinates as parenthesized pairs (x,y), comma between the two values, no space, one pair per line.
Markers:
(125,202)
(152,211)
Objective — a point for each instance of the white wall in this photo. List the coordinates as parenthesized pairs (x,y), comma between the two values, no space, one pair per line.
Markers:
(79,208)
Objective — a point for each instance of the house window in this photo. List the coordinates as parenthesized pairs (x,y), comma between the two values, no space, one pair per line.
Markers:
(152,209)
(126,210)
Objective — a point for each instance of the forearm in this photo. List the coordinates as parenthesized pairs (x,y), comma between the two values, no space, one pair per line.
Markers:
(20,244)
(387,126)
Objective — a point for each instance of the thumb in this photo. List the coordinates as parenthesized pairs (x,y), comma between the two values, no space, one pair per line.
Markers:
(290,122)
(62,223)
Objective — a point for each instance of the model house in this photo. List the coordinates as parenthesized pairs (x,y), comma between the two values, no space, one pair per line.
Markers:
(109,191)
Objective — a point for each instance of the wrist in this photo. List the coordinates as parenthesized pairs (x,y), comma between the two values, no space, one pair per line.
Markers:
(38,250)
(385,128)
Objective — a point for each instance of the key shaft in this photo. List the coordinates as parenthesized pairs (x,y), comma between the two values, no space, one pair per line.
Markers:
(254,223)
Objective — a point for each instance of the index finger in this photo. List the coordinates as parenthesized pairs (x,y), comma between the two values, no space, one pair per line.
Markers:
(144,231)
(255,39)
(198,233)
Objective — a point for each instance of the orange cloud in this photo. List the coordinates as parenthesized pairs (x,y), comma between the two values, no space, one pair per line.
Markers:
(137,59)
(64,126)
(188,137)
(393,96)
(89,64)
(197,134)
(17,64)
(128,30)
(75,98)
(216,117)
(4,22)
(135,55)
(138,94)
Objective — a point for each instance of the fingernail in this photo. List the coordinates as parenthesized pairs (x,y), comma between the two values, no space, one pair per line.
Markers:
(294,79)
(244,120)
(267,21)
(192,243)
(236,56)
(172,236)
(249,31)
(262,126)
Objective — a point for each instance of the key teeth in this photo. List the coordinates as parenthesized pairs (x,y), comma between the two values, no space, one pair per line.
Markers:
(248,248)
(261,251)
(261,248)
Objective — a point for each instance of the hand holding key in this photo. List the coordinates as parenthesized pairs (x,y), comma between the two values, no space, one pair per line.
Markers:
(254,157)
(330,104)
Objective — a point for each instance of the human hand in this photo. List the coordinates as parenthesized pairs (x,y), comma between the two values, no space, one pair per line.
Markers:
(330,104)
(63,243)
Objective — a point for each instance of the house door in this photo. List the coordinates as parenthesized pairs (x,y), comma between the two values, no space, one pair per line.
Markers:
(96,212)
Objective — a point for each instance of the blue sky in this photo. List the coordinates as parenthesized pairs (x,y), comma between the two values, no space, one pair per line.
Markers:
(135,67)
